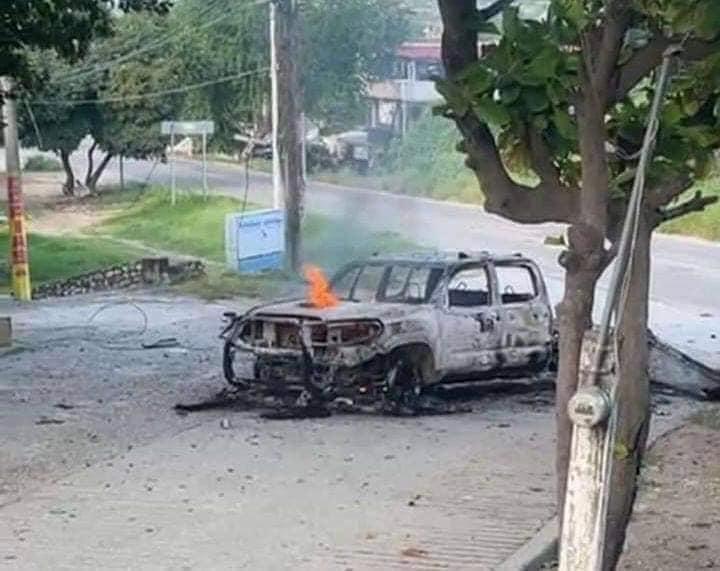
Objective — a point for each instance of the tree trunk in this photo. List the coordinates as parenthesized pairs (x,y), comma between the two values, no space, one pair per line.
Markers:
(95,177)
(574,318)
(68,188)
(90,159)
(584,263)
(633,398)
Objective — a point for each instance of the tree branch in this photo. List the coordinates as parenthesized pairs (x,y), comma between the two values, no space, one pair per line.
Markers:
(617,21)
(549,201)
(542,160)
(459,42)
(644,60)
(697,203)
(493,9)
(668,190)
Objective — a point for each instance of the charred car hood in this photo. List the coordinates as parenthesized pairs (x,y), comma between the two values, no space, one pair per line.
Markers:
(344,310)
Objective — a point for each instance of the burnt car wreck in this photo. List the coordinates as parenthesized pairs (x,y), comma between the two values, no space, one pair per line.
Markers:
(387,328)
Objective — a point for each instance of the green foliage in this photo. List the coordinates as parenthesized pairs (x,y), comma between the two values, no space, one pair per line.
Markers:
(196,227)
(427,163)
(125,121)
(700,18)
(60,257)
(532,79)
(347,42)
(61,126)
(237,41)
(705,224)
(65,26)
(41,163)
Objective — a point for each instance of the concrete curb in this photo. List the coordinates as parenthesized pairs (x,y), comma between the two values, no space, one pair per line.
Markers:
(540,549)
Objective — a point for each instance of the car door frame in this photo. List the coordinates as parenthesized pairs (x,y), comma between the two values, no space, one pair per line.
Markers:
(469,336)
(526,327)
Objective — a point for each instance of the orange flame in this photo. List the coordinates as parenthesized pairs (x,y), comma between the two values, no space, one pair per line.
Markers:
(319,294)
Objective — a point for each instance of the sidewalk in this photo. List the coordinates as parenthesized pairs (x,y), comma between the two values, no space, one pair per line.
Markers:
(353,492)
(676,524)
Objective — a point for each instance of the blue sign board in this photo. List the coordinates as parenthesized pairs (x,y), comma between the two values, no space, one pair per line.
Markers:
(255,241)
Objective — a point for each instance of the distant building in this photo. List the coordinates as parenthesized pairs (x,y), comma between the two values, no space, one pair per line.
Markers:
(397,100)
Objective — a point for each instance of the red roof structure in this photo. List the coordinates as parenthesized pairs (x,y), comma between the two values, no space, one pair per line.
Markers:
(428,51)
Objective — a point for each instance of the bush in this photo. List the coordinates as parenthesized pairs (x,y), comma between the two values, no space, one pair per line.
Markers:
(41,163)
(426,162)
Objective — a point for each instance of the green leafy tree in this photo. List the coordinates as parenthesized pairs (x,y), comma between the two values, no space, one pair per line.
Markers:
(115,94)
(569,95)
(216,40)
(132,97)
(346,43)
(65,26)
(57,127)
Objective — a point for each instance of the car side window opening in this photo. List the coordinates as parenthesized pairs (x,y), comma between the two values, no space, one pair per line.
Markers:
(408,284)
(469,288)
(516,283)
(368,283)
(342,285)
(397,283)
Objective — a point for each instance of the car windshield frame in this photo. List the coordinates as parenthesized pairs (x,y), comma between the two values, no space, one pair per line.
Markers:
(379,295)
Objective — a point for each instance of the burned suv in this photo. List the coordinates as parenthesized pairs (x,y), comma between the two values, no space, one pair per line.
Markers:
(387,327)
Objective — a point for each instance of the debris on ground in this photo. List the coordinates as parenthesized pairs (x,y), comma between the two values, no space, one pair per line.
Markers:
(165,343)
(46,420)
(671,368)
(279,409)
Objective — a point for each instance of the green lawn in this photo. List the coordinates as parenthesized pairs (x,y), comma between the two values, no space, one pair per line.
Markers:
(58,257)
(704,224)
(196,226)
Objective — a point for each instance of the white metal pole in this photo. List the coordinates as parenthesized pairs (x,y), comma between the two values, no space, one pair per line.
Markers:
(303,134)
(204,153)
(275,112)
(172,165)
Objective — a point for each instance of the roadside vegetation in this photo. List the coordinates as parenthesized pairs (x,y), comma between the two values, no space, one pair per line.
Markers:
(426,163)
(705,224)
(59,257)
(139,221)
(40,163)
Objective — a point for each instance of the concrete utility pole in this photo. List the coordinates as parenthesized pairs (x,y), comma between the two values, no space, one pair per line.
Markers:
(275,111)
(290,144)
(20,266)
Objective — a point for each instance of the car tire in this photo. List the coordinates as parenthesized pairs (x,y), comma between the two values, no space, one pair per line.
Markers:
(404,386)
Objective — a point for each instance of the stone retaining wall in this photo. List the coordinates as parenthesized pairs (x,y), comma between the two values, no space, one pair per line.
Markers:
(149,271)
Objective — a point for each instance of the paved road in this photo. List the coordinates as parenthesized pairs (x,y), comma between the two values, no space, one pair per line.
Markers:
(114,479)
(685,305)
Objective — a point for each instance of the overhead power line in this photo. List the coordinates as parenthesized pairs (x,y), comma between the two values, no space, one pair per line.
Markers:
(102,66)
(150,94)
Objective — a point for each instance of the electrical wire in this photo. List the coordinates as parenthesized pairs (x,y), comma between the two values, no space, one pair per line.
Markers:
(92,68)
(97,68)
(150,94)
(620,283)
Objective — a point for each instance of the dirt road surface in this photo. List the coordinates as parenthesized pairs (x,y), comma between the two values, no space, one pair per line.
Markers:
(97,471)
(676,523)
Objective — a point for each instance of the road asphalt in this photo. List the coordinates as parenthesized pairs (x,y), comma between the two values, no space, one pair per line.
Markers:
(685,305)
